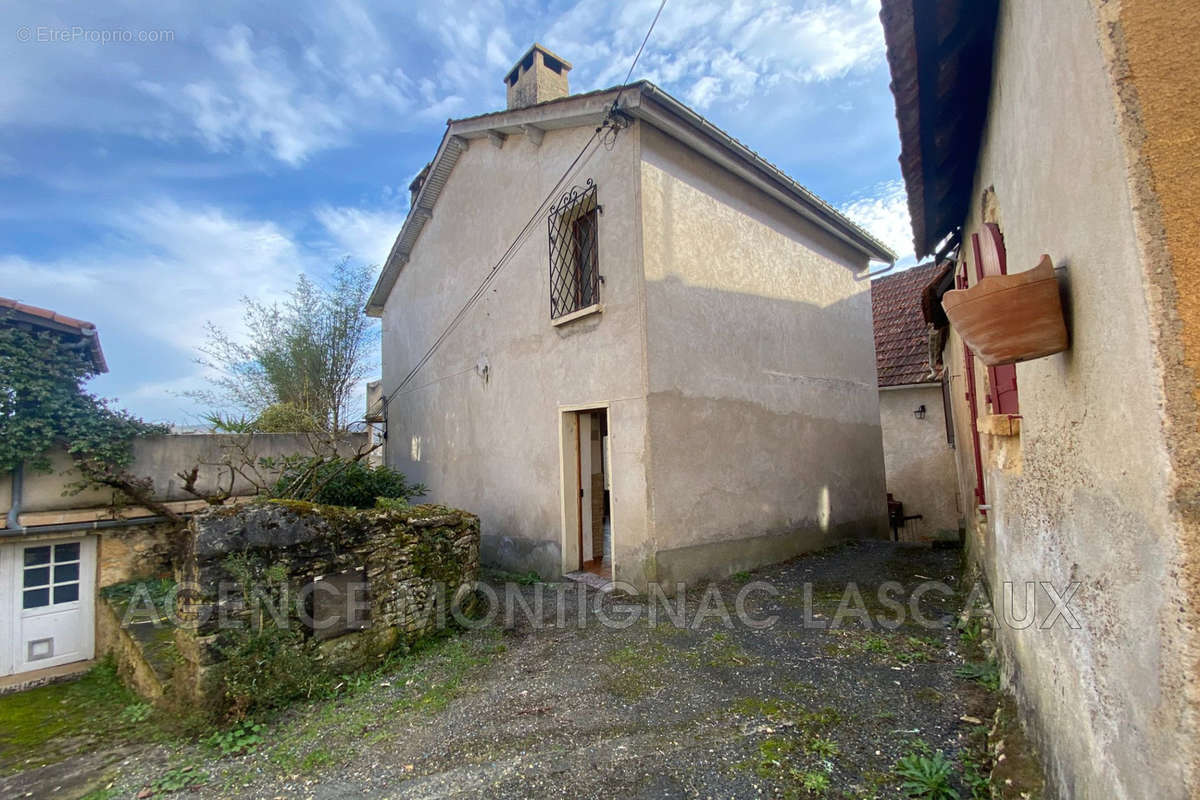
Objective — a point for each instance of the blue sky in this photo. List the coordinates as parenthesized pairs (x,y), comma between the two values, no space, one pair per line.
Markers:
(147,185)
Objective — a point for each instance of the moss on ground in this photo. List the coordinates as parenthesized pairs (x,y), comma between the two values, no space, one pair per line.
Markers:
(47,724)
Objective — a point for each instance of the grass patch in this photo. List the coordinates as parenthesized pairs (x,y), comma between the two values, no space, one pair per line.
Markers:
(47,724)
(636,671)
(428,678)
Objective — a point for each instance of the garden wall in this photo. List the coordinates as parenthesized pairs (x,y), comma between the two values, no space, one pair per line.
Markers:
(358,582)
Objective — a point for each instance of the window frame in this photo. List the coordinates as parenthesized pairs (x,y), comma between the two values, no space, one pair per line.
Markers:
(573,228)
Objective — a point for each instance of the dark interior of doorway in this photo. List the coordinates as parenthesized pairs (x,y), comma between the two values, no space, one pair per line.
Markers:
(596,545)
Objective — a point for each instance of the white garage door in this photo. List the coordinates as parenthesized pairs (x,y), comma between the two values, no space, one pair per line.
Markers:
(47,603)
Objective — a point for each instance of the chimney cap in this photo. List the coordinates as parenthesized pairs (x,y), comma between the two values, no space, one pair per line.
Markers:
(549,58)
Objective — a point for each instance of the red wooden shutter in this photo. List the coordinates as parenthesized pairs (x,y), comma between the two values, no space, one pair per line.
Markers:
(991,259)
(960,279)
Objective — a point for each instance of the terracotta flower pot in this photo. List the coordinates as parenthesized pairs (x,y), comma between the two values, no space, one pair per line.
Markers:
(1009,318)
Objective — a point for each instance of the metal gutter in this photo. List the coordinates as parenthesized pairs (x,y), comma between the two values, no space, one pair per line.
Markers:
(13,526)
(12,521)
(94,525)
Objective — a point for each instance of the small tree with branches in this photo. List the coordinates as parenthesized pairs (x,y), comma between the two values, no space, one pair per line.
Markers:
(311,352)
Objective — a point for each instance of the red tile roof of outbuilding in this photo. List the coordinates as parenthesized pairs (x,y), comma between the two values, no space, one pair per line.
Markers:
(50,320)
(901,341)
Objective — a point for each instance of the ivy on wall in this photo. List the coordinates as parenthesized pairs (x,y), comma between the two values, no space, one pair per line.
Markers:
(43,405)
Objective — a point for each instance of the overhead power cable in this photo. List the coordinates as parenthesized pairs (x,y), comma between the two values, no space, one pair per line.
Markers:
(527,229)
(638,55)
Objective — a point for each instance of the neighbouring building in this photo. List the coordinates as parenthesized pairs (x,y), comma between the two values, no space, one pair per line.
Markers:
(661,372)
(918,441)
(60,547)
(1072,128)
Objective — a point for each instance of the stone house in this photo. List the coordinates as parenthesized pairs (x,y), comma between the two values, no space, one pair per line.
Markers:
(918,441)
(669,374)
(1069,129)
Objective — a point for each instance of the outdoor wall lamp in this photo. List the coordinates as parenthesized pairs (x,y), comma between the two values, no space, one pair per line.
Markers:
(920,412)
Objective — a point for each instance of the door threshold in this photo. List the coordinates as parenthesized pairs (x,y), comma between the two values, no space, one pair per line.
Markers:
(591,579)
(42,677)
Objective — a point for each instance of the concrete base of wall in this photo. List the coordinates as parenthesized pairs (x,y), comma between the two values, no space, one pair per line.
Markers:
(714,560)
(513,554)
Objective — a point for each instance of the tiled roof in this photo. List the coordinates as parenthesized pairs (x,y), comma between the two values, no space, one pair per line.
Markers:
(50,320)
(940,54)
(901,341)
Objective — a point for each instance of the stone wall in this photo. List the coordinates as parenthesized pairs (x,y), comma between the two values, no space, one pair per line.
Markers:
(139,551)
(410,561)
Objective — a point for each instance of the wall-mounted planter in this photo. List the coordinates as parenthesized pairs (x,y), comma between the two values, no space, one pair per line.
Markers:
(1009,318)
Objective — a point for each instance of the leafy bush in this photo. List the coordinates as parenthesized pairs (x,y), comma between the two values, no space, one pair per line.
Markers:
(285,418)
(43,405)
(341,482)
(927,776)
(392,503)
(265,669)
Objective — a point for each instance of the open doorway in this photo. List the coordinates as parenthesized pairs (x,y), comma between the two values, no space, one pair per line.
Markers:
(587,495)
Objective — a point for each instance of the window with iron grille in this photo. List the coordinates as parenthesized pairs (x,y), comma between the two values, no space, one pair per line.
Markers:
(574,251)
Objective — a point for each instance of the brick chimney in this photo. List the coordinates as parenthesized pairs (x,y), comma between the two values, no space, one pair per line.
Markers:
(539,76)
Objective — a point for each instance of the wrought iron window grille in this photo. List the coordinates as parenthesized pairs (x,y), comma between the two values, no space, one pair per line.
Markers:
(574,251)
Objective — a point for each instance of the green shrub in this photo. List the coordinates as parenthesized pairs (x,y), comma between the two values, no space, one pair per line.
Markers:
(392,503)
(285,418)
(341,482)
(266,669)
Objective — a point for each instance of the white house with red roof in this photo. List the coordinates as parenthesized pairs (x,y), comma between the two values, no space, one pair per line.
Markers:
(914,416)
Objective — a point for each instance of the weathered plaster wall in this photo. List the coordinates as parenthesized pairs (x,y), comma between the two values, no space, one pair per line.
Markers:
(159,458)
(492,445)
(1154,64)
(918,461)
(1082,494)
(764,417)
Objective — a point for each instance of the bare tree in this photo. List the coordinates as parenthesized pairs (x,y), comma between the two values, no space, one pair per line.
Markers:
(310,351)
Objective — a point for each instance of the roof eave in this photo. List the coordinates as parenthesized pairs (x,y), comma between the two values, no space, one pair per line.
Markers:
(664,112)
(571,111)
(676,119)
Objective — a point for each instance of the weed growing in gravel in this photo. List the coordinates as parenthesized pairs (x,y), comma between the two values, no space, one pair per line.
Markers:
(244,736)
(970,631)
(179,778)
(824,748)
(814,781)
(876,644)
(927,776)
(985,673)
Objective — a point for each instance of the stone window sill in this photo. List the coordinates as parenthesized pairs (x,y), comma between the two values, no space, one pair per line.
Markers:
(999,425)
(595,308)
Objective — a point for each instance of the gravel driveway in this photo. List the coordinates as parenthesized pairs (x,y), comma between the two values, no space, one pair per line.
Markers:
(778,703)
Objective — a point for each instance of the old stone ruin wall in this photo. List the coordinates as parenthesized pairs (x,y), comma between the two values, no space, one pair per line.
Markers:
(362,582)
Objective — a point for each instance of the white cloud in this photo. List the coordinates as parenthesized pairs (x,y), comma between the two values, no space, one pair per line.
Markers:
(233,79)
(883,212)
(362,234)
(163,271)
(713,52)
